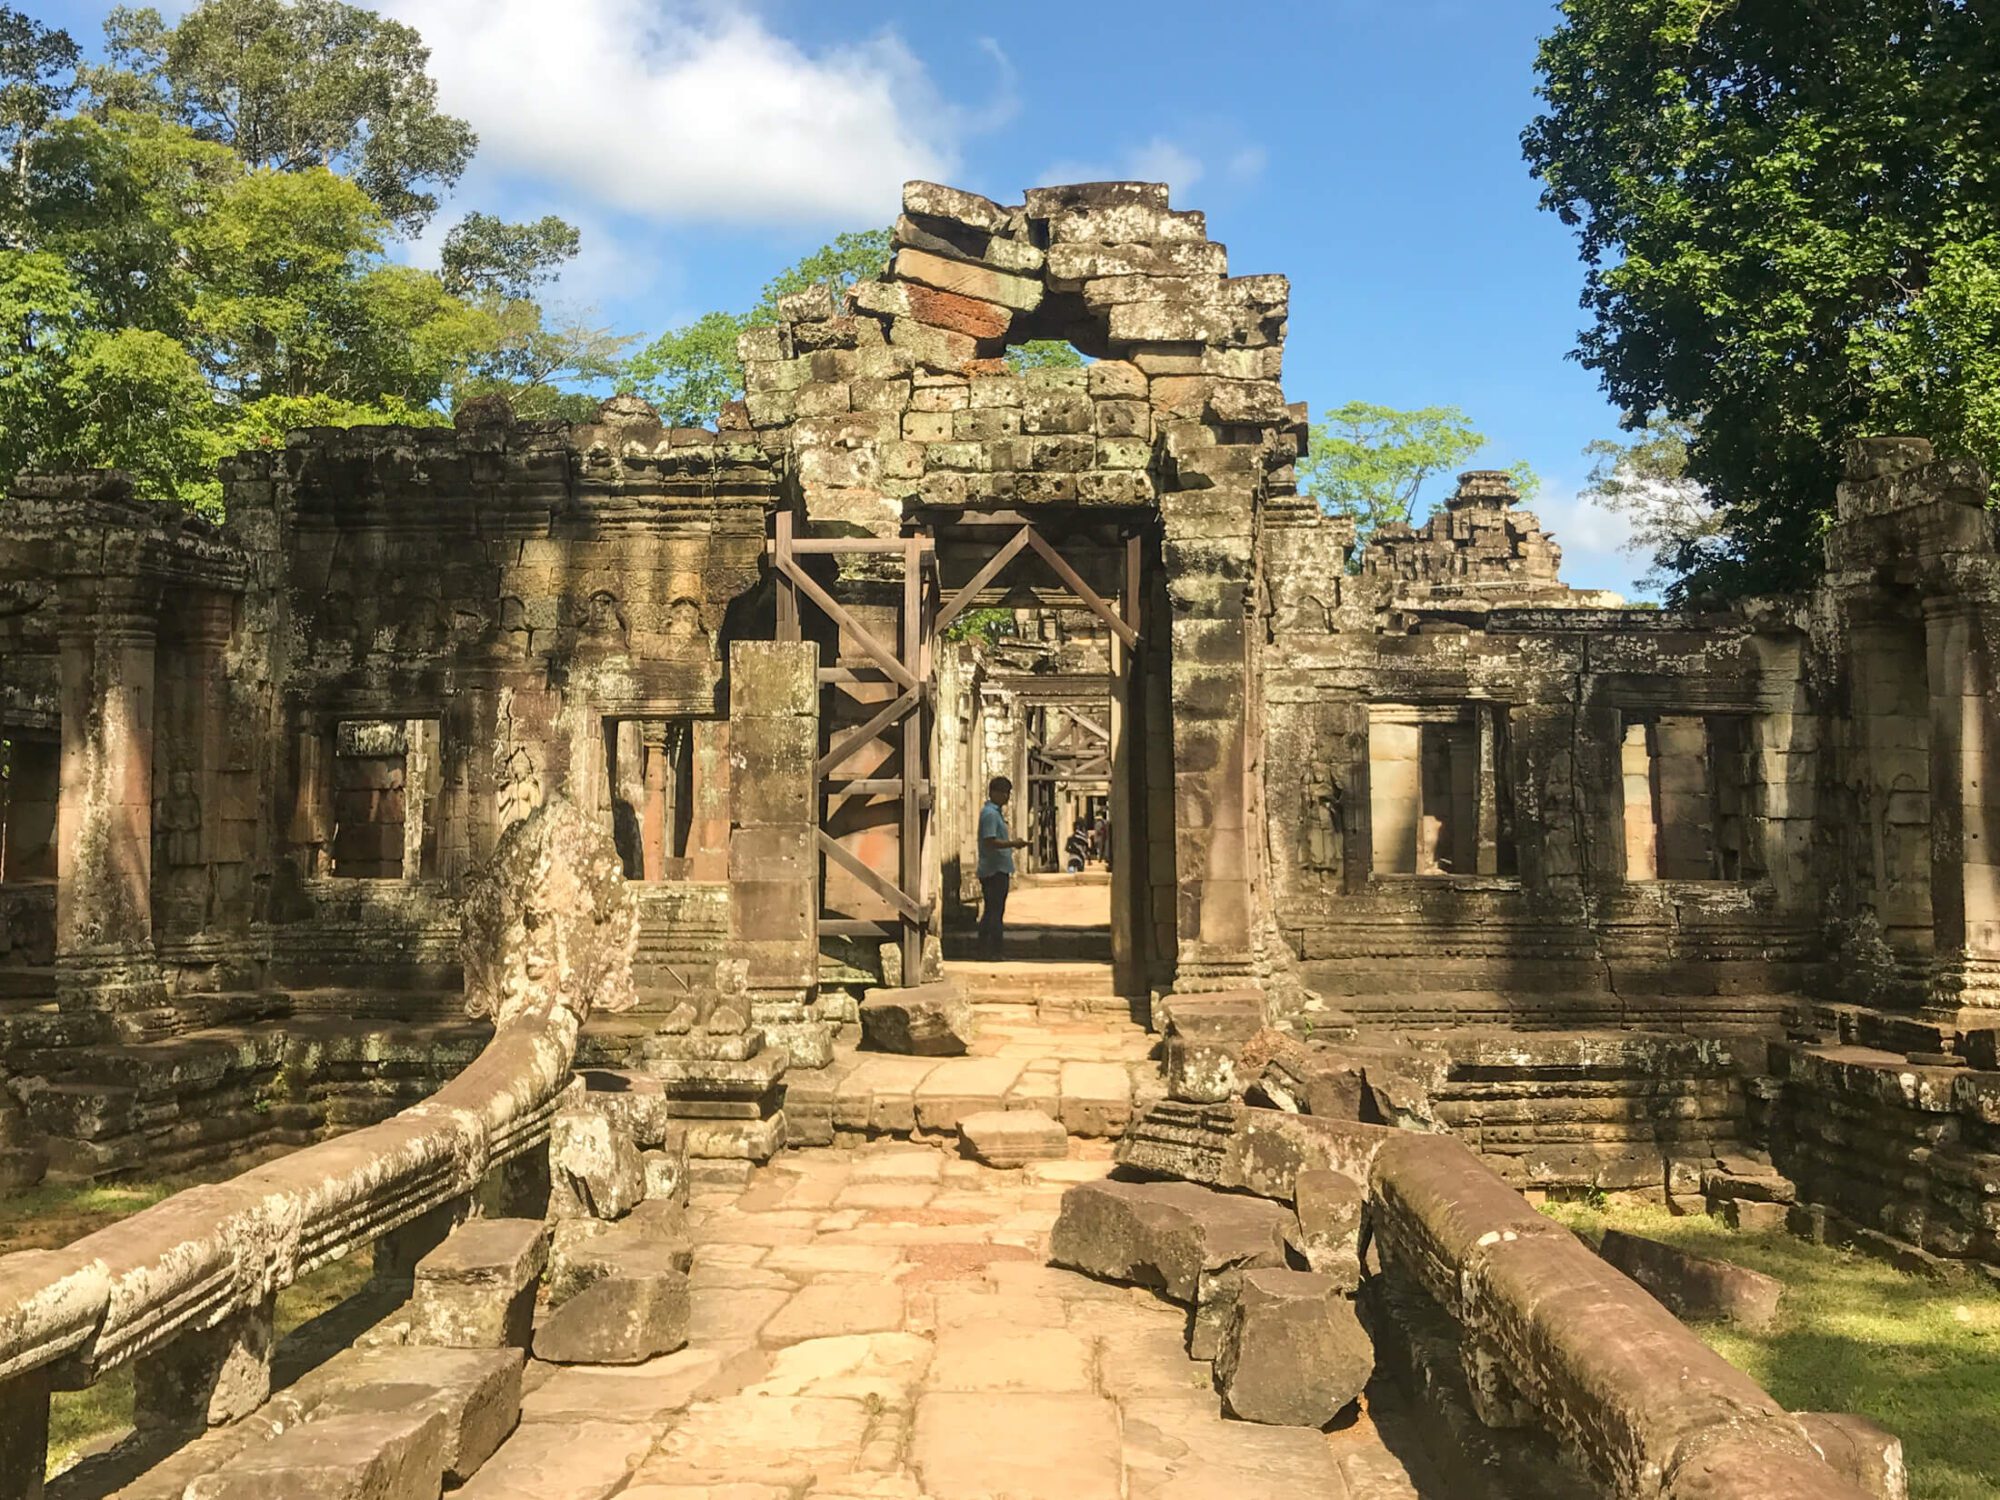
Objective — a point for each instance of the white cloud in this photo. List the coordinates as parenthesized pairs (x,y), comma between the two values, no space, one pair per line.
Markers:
(1593,540)
(1246,164)
(691,109)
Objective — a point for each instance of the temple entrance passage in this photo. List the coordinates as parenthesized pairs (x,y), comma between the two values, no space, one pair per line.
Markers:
(983,644)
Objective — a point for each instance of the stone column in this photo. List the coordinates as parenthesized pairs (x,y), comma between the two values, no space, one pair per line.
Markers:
(24,1434)
(773,858)
(104,863)
(207,1378)
(657,812)
(1965,814)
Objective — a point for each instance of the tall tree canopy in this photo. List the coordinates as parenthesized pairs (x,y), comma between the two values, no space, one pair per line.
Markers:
(1790,216)
(1674,525)
(290,84)
(196,261)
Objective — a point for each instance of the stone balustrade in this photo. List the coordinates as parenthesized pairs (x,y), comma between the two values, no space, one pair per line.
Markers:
(184,1290)
(1551,1338)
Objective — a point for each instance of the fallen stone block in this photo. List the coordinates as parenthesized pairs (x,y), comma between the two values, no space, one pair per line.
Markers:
(1752,1215)
(477,1289)
(1164,1235)
(1695,1287)
(1327,1233)
(647,1241)
(477,1391)
(1096,1098)
(666,1175)
(1293,1354)
(594,1169)
(633,1315)
(1859,1450)
(367,1456)
(1743,1179)
(929,1020)
(1012,1137)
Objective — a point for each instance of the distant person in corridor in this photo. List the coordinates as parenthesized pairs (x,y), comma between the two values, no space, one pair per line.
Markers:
(996,864)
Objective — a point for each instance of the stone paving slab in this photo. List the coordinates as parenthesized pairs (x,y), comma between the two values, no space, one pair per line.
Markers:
(879,1323)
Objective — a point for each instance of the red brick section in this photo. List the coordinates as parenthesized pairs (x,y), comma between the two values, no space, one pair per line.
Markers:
(966,315)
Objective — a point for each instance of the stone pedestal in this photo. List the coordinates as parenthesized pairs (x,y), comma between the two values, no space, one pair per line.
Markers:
(205,1379)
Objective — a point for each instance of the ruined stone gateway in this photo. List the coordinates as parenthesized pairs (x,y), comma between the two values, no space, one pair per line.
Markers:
(1436,855)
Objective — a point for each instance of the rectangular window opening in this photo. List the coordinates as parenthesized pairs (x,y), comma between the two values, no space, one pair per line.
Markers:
(385,779)
(648,789)
(1686,787)
(30,785)
(1440,789)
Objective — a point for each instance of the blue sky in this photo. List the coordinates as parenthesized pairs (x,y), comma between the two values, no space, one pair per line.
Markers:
(1369,149)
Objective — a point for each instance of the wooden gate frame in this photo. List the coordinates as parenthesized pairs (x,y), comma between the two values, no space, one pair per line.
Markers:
(913,668)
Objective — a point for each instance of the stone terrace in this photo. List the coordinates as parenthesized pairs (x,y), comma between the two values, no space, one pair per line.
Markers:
(878,1324)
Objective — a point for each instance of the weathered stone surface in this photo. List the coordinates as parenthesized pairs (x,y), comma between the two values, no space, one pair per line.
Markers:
(594,1168)
(1293,1352)
(388,1456)
(1329,1208)
(1868,1455)
(477,1391)
(1164,1235)
(1012,1137)
(477,1289)
(1695,1287)
(930,1020)
(637,1312)
(983,283)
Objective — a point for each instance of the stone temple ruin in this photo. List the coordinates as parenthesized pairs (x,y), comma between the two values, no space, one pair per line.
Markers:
(1437,881)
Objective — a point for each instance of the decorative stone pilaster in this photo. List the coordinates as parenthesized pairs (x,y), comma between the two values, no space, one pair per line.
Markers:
(104,869)
(1965,812)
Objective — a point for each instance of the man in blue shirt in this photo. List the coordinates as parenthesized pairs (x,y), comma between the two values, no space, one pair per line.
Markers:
(996,864)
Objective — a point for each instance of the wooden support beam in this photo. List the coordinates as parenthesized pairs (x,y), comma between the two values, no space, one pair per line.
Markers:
(887,715)
(788,596)
(962,600)
(841,855)
(838,612)
(1083,591)
(854,927)
(821,546)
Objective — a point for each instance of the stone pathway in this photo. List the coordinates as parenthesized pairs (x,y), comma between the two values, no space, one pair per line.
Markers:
(878,1324)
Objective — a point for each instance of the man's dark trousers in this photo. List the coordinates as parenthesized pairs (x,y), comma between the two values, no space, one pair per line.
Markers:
(993,915)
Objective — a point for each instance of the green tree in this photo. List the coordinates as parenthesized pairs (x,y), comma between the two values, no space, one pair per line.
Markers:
(291,84)
(485,256)
(1790,219)
(687,373)
(1673,523)
(37,78)
(1043,354)
(534,361)
(836,265)
(1369,462)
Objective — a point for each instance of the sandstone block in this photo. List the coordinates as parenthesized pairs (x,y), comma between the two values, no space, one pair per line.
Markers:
(1012,1137)
(934,200)
(1096,1098)
(1327,1235)
(1869,1455)
(1749,1215)
(477,1289)
(666,1175)
(477,1391)
(930,1020)
(1165,1235)
(1022,293)
(1695,1286)
(1294,1353)
(594,1168)
(623,1319)
(934,348)
(387,1456)
(957,312)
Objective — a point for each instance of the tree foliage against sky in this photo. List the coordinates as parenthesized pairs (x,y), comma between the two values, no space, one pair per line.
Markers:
(195,245)
(1790,216)
(1673,523)
(1369,462)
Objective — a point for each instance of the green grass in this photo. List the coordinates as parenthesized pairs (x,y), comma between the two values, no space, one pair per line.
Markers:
(1852,1334)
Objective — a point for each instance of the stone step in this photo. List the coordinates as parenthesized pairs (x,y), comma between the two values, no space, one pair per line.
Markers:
(883,1094)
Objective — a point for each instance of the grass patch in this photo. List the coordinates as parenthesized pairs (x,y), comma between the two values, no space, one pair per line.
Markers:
(53,1214)
(1852,1334)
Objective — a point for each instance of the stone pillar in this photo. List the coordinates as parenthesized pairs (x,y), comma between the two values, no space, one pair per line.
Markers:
(24,1434)
(1965,813)
(708,831)
(1486,791)
(656,814)
(104,865)
(1546,808)
(773,858)
(1207,557)
(206,1378)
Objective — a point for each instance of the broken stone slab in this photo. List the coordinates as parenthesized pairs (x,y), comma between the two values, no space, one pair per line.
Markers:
(1327,1233)
(1751,1215)
(928,1020)
(1293,1354)
(477,1391)
(1012,1137)
(1733,1181)
(1859,1450)
(1695,1287)
(1096,1098)
(364,1456)
(588,1250)
(594,1168)
(477,1289)
(637,1313)
(666,1174)
(1164,1235)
